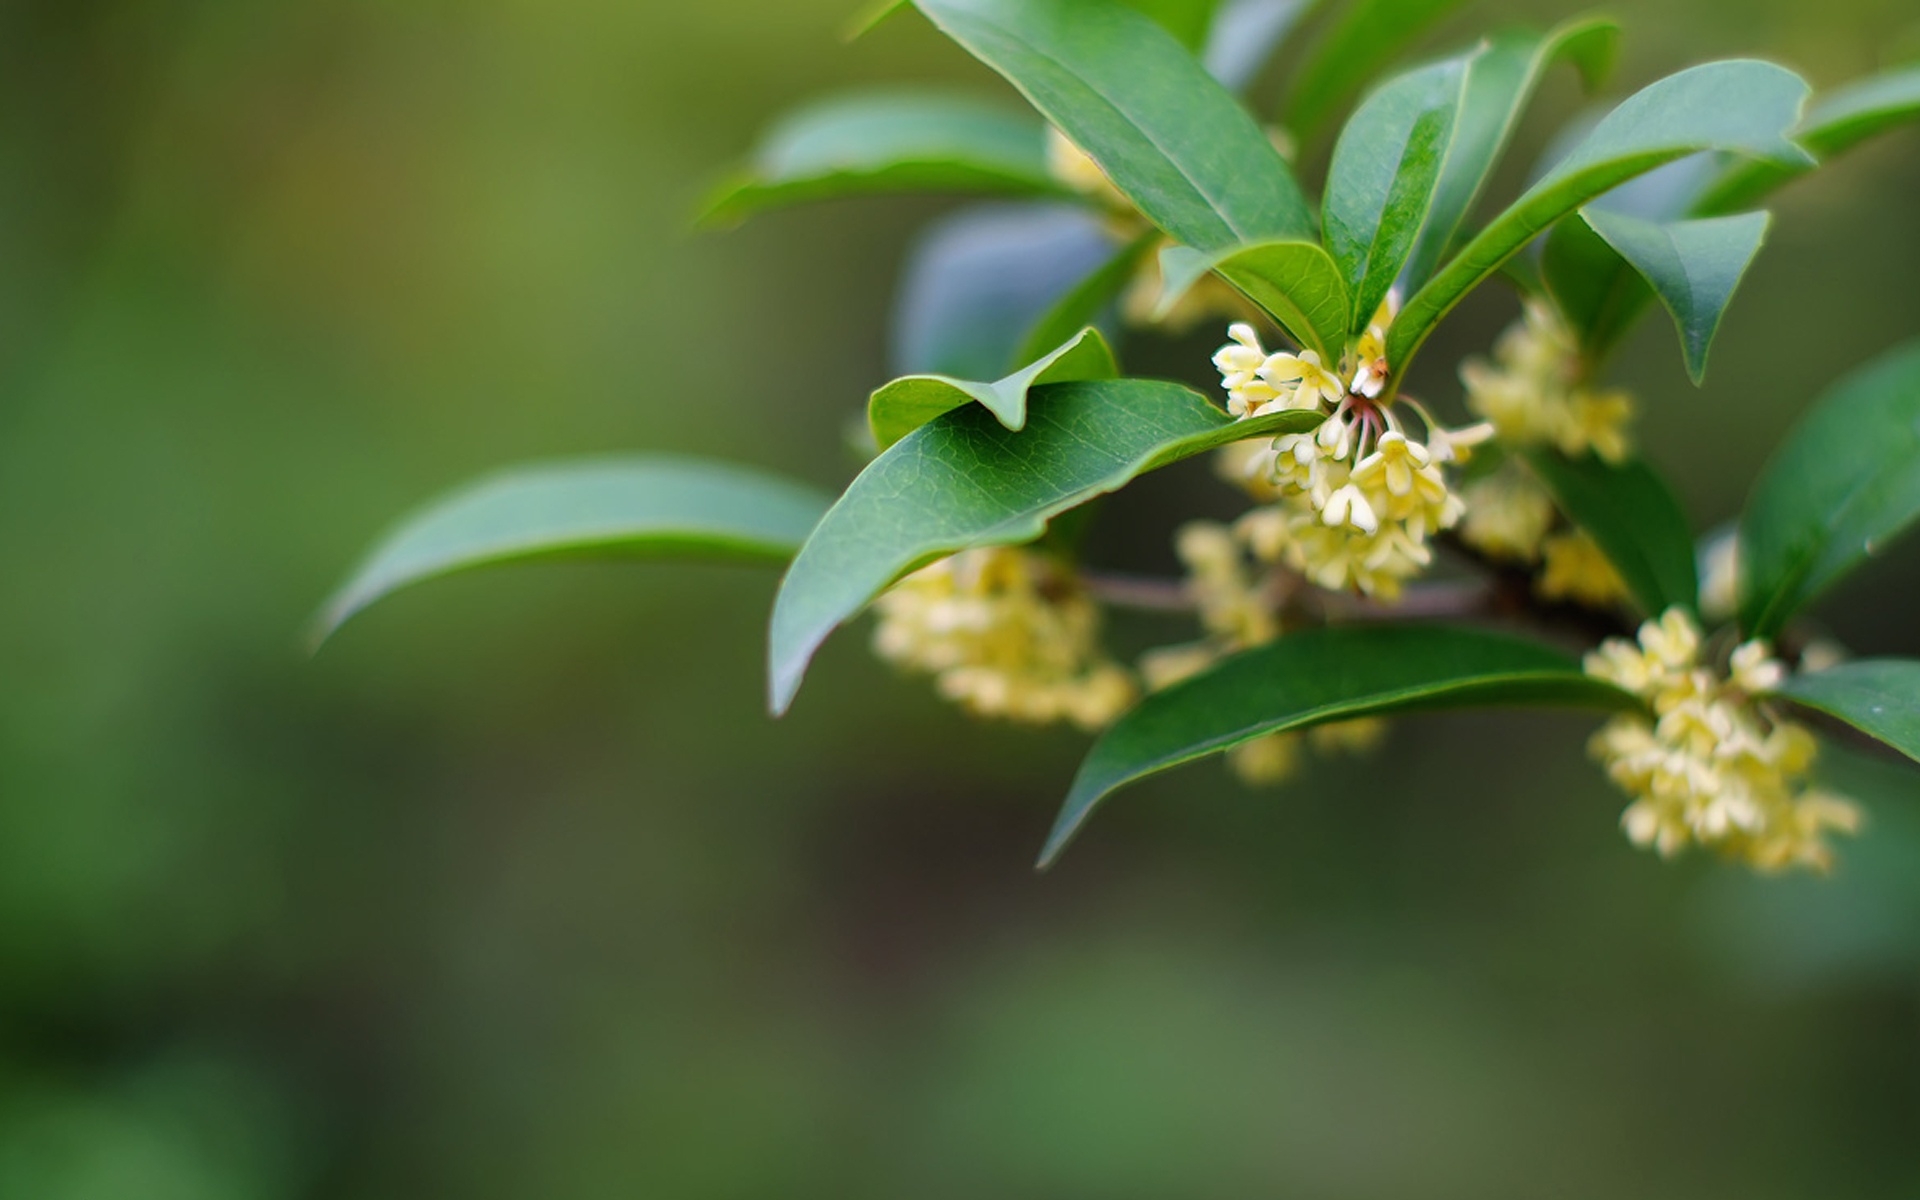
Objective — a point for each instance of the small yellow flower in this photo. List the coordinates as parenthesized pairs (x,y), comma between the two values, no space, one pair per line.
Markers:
(1007,633)
(1508,516)
(1577,570)
(1716,768)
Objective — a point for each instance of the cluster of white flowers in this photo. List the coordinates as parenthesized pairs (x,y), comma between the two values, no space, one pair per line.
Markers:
(1009,633)
(1237,611)
(1714,767)
(1357,499)
(1533,394)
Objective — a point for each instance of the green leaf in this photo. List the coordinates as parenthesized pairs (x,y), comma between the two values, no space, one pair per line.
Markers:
(964,480)
(1246,33)
(1844,485)
(1088,300)
(1632,515)
(1314,677)
(979,279)
(1693,266)
(904,405)
(1357,47)
(889,142)
(1170,137)
(1295,283)
(1741,106)
(1838,122)
(1500,84)
(1380,184)
(1878,696)
(1187,20)
(598,508)
(1595,291)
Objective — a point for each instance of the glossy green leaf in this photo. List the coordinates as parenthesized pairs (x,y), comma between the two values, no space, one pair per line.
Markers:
(1295,283)
(1381,181)
(1879,697)
(965,480)
(1088,302)
(1501,82)
(1836,123)
(1170,137)
(1246,33)
(1598,294)
(604,508)
(889,143)
(1841,488)
(1693,266)
(1318,676)
(1366,38)
(904,405)
(1632,515)
(1740,106)
(978,281)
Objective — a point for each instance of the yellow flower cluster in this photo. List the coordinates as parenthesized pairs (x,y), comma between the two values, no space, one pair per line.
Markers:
(1009,633)
(1714,767)
(1356,499)
(1533,393)
(1237,612)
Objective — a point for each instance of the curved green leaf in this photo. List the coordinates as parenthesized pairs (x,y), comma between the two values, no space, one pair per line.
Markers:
(1501,82)
(614,508)
(1089,300)
(965,480)
(1170,137)
(1381,181)
(1693,266)
(1879,697)
(1344,59)
(1597,293)
(1741,106)
(1295,283)
(1314,677)
(889,142)
(1632,515)
(904,405)
(1843,486)
(1837,122)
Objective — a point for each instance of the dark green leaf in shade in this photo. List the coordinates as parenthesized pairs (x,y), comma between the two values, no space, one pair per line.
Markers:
(1841,488)
(1632,515)
(904,405)
(1365,39)
(1295,283)
(1089,300)
(599,508)
(1836,123)
(1172,139)
(964,480)
(889,143)
(1381,181)
(1501,82)
(1693,266)
(979,280)
(1740,106)
(1245,35)
(1314,677)
(1596,292)
(1878,696)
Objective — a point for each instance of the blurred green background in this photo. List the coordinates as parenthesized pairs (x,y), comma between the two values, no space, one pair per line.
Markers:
(514,892)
